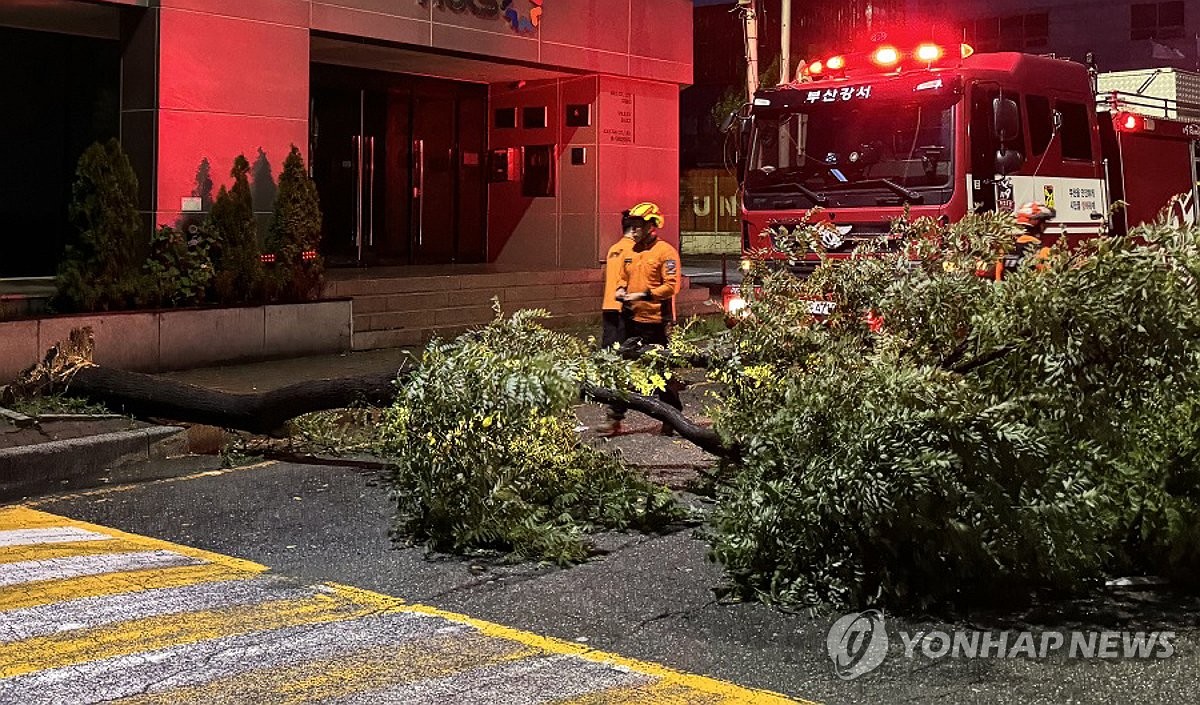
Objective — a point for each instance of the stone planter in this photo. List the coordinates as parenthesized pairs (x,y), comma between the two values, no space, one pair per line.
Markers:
(174,339)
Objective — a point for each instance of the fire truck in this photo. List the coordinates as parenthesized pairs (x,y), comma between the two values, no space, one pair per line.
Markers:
(943,131)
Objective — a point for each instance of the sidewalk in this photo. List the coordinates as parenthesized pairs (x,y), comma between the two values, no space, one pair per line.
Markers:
(254,377)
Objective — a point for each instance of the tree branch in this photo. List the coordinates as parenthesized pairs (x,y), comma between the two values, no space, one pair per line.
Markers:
(705,438)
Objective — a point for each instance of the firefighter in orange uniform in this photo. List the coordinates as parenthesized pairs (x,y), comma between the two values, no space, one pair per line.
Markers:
(1032,219)
(648,286)
(615,318)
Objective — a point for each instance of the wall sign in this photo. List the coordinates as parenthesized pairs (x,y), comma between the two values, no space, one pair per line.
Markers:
(520,15)
(616,119)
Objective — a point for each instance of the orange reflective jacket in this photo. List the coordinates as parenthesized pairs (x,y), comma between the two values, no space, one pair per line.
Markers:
(614,270)
(654,272)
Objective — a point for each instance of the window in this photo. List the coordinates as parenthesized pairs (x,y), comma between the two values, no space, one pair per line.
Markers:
(1156,20)
(1041,123)
(1009,33)
(1076,132)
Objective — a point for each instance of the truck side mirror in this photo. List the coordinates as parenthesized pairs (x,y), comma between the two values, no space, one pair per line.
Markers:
(728,122)
(1008,161)
(1006,119)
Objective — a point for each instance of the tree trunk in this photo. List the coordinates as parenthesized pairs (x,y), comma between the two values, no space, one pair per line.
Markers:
(266,413)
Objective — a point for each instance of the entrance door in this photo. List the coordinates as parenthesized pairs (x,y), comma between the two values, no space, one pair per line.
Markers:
(398,162)
(348,141)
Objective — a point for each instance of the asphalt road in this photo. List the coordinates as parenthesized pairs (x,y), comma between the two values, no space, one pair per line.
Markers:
(649,598)
(92,615)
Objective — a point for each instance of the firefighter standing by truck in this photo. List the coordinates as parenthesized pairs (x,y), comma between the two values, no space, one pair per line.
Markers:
(1032,219)
(649,282)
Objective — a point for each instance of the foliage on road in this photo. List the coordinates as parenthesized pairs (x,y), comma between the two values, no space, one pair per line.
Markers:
(989,439)
(486,455)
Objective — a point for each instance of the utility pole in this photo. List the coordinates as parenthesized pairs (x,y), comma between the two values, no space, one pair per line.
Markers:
(785,42)
(749,14)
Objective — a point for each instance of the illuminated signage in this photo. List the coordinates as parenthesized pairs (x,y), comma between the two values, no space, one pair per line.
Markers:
(521,15)
(835,95)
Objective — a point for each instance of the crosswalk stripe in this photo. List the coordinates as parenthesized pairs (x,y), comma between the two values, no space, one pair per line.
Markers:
(65,549)
(24,517)
(23,596)
(195,664)
(78,566)
(91,612)
(526,682)
(163,632)
(375,668)
(49,534)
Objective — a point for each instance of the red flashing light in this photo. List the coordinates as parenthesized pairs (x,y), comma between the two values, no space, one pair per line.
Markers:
(1131,122)
(836,63)
(308,255)
(929,53)
(886,56)
(267,259)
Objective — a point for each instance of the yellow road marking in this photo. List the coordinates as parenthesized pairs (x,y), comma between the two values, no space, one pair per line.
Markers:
(99,491)
(328,679)
(160,632)
(719,691)
(18,597)
(660,693)
(66,549)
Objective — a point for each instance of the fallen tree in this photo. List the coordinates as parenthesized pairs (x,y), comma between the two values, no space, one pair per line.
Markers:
(68,369)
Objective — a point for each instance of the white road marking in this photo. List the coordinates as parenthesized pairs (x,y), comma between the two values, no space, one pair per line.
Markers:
(77,566)
(54,534)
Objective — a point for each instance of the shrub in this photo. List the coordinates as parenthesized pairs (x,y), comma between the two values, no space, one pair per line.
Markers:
(238,271)
(102,270)
(296,230)
(993,438)
(179,266)
(482,436)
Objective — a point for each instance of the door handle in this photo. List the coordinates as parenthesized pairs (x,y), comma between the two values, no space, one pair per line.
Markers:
(419,188)
(356,141)
(371,190)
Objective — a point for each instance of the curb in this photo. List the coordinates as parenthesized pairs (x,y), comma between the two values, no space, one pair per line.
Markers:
(76,462)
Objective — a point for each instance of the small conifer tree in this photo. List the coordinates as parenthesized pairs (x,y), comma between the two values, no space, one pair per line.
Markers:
(102,270)
(238,272)
(296,233)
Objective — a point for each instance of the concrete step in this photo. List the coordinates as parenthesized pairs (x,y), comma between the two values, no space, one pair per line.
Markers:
(464,315)
(369,285)
(416,337)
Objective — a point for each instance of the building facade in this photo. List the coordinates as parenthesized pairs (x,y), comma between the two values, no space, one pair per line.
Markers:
(438,131)
(1122,34)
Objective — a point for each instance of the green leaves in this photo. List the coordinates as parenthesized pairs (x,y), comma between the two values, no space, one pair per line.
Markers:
(991,438)
(486,454)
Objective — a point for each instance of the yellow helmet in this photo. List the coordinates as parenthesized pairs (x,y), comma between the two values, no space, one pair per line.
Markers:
(647,211)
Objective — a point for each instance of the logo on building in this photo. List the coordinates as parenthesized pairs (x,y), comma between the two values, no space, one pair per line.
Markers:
(521,15)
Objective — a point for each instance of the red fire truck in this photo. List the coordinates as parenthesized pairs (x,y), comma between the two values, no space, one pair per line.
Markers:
(945,132)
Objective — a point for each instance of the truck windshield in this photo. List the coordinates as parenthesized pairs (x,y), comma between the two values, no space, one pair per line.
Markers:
(855,153)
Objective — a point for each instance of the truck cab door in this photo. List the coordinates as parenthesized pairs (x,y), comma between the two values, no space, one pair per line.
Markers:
(982,146)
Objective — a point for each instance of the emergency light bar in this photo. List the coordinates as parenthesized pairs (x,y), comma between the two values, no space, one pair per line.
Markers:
(887,57)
